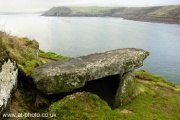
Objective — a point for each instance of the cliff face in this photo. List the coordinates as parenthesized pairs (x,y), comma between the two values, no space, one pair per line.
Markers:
(58,11)
(18,57)
(169,14)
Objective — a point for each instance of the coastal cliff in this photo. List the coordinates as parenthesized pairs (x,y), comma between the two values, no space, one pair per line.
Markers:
(165,14)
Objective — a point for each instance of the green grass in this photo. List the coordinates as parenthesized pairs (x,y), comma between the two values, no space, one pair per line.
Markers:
(89,10)
(82,106)
(155,104)
(130,10)
(143,75)
(158,99)
(166,12)
(51,55)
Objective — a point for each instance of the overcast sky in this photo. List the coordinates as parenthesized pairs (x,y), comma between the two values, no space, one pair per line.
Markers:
(39,5)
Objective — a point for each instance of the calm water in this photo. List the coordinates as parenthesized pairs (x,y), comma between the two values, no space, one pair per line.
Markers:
(80,36)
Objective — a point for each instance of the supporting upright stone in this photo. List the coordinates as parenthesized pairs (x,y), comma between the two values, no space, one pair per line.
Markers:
(126,89)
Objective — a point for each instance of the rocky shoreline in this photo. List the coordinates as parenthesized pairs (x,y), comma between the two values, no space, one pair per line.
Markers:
(153,19)
(135,18)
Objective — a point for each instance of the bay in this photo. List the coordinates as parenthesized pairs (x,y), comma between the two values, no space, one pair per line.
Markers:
(77,36)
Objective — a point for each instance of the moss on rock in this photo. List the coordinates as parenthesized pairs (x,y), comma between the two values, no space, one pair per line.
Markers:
(126,89)
(82,106)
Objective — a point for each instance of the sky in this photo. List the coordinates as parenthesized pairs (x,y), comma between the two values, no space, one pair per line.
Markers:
(43,5)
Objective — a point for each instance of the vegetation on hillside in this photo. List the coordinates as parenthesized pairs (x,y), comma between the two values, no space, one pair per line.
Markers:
(159,11)
(89,10)
(26,52)
(157,99)
(169,11)
(166,14)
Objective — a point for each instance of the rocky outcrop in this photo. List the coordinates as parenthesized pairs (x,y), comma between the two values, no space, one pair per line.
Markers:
(8,78)
(67,75)
(58,11)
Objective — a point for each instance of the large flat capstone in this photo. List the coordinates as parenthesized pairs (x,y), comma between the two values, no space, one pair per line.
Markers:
(67,75)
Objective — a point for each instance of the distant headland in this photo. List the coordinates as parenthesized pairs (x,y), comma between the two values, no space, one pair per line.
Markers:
(164,14)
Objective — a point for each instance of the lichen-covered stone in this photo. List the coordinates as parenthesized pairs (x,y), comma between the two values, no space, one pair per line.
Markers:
(8,79)
(67,75)
(126,89)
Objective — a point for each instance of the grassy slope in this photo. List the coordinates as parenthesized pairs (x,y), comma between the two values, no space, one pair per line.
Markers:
(166,11)
(26,52)
(158,99)
(89,10)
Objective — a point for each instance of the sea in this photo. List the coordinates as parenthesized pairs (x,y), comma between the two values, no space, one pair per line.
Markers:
(78,36)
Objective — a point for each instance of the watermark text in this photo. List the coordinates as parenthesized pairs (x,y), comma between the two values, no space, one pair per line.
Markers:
(28,115)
